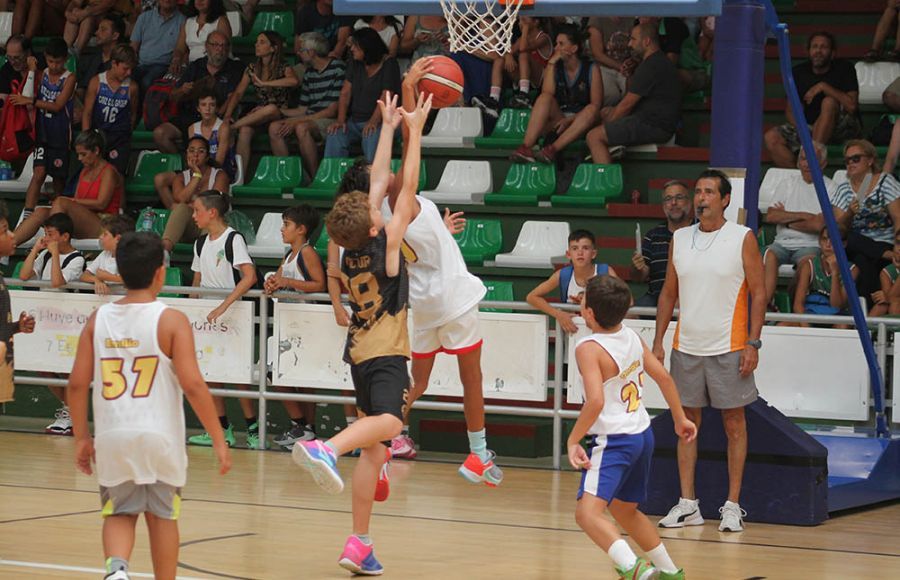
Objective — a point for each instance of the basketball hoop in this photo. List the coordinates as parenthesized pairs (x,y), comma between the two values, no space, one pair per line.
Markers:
(481,25)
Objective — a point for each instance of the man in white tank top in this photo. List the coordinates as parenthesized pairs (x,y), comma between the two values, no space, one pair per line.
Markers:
(714,270)
(134,351)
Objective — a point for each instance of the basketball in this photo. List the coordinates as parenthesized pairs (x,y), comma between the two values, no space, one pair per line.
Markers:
(445,82)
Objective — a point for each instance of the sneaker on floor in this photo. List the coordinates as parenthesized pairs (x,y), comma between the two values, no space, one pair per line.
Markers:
(205,440)
(117,575)
(321,463)
(253,437)
(403,447)
(296,433)
(520,100)
(488,105)
(547,154)
(642,570)
(685,513)
(62,423)
(359,558)
(477,471)
(732,517)
(679,575)
(522,154)
(383,487)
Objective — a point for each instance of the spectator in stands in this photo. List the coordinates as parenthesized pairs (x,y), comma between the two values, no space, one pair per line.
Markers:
(797,216)
(370,73)
(569,282)
(830,95)
(273,78)
(318,16)
(387,29)
(318,104)
(425,36)
(671,31)
(110,32)
(18,62)
(891,96)
(649,111)
(204,18)
(111,106)
(8,325)
(82,17)
(154,38)
(39,18)
(650,264)
(609,41)
(819,287)
(887,21)
(103,270)
(217,73)
(201,175)
(887,300)
(569,103)
(695,60)
(100,191)
(890,158)
(869,205)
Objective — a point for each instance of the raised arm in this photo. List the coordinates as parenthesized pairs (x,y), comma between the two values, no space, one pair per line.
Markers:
(380,173)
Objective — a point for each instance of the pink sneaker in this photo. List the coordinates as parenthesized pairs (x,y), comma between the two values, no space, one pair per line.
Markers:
(403,447)
(383,487)
(359,558)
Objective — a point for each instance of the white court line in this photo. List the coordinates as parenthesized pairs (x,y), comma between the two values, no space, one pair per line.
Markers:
(63,568)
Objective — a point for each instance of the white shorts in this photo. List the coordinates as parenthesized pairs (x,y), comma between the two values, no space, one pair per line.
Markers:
(458,336)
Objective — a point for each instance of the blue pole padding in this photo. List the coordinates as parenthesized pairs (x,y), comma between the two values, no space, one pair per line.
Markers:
(780,31)
(737,104)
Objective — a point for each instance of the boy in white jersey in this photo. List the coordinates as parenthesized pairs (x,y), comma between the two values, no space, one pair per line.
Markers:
(615,472)
(103,270)
(140,356)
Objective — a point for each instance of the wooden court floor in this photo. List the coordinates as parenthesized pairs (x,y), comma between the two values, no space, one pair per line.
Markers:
(268,520)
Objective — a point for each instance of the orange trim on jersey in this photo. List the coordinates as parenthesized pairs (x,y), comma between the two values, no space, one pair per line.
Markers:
(452,351)
(675,339)
(740,319)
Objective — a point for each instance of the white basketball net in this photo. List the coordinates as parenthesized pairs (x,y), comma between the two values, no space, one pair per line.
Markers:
(481,25)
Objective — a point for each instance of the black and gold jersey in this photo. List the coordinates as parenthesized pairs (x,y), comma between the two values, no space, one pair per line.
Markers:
(378,325)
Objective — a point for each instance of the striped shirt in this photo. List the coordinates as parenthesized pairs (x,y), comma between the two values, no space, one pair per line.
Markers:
(655,249)
(873,219)
(322,88)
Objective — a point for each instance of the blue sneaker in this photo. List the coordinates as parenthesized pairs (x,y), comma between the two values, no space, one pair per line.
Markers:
(321,463)
(359,558)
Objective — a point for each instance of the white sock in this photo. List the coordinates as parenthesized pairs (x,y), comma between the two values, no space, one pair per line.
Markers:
(622,555)
(524,85)
(495,93)
(660,558)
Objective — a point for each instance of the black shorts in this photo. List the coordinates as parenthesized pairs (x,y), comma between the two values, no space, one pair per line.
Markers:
(54,159)
(118,151)
(633,131)
(382,386)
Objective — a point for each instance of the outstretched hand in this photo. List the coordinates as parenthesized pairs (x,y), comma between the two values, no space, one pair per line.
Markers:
(455,222)
(416,118)
(418,70)
(390,113)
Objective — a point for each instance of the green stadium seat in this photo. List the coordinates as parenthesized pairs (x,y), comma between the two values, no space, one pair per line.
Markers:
(142,135)
(783,302)
(158,220)
(149,164)
(322,245)
(481,240)
(395,168)
(275,177)
(328,177)
(526,184)
(173,278)
(17,270)
(281,22)
(593,185)
(499,291)
(509,131)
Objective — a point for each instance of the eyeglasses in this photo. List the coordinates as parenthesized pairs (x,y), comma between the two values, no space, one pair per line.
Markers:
(853,159)
(674,198)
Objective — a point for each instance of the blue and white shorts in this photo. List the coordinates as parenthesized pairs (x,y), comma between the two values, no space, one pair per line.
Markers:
(620,467)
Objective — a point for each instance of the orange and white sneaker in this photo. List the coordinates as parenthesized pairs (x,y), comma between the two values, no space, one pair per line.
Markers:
(477,471)
(383,487)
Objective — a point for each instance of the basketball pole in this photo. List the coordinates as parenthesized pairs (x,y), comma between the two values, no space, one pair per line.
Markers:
(780,31)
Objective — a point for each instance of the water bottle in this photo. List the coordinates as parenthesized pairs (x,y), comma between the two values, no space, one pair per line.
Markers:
(28,89)
(5,171)
(147,221)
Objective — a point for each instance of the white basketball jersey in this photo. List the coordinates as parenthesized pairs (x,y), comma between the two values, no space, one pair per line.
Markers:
(138,412)
(289,268)
(440,286)
(623,408)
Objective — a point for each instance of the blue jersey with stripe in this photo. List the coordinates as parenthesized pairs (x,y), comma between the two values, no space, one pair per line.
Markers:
(54,129)
(112,109)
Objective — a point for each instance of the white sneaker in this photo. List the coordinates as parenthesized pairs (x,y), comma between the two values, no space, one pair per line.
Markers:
(732,517)
(62,425)
(685,513)
(117,575)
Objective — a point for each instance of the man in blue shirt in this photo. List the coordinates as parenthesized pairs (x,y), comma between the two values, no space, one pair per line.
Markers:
(153,38)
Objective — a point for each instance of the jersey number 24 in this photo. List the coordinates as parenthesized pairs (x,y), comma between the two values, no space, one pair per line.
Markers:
(631,394)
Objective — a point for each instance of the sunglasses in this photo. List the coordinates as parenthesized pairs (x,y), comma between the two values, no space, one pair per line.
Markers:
(853,159)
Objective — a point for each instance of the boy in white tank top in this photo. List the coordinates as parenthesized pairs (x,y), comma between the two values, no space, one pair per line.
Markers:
(616,470)
(140,356)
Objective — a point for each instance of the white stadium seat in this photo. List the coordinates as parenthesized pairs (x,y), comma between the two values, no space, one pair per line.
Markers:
(540,245)
(873,78)
(20,183)
(455,127)
(268,238)
(463,182)
(839,177)
(234,19)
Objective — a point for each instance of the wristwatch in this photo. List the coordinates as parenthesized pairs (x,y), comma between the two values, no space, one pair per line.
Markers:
(757,344)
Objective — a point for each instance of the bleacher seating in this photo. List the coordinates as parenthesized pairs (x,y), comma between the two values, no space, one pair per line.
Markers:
(873,78)
(281,22)
(20,183)
(274,177)
(268,238)
(321,244)
(328,177)
(149,164)
(454,127)
(462,182)
(525,184)
(173,278)
(423,175)
(593,185)
(480,240)
(498,291)
(234,19)
(509,130)
(157,218)
(5,27)
(540,245)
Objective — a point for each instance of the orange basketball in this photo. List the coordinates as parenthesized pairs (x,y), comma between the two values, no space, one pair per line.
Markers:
(445,82)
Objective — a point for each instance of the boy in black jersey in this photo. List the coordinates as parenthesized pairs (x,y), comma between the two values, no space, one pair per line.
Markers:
(374,271)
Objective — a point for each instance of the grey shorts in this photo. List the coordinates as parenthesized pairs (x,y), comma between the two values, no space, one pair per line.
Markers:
(847,127)
(795,256)
(160,499)
(634,131)
(712,381)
